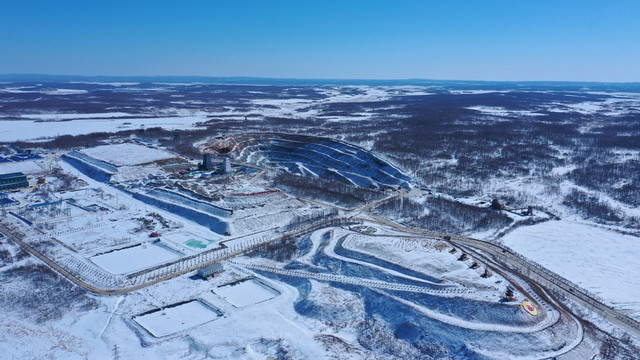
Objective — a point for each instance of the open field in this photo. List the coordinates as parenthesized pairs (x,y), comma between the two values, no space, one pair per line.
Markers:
(591,257)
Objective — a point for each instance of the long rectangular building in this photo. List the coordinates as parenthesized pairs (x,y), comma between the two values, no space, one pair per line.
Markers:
(13,181)
(210,270)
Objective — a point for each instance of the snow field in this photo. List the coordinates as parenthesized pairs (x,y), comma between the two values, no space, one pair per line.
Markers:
(133,258)
(305,108)
(420,255)
(173,319)
(500,111)
(601,261)
(127,154)
(329,251)
(128,173)
(14,130)
(19,90)
(236,335)
(347,309)
(75,116)
(24,340)
(246,293)
(93,235)
(27,167)
(315,238)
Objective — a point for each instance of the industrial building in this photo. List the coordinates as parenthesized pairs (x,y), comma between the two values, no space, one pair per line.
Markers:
(207,164)
(13,181)
(210,270)
(226,166)
(5,200)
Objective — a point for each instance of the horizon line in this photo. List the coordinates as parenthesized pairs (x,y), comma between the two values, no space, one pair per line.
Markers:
(8,75)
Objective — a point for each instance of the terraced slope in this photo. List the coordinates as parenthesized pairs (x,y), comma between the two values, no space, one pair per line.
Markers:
(317,156)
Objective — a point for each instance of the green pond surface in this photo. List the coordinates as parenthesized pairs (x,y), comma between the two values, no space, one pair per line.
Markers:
(198,244)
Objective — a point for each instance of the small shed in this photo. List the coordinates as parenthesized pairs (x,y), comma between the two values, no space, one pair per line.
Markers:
(210,270)
(5,200)
(496,205)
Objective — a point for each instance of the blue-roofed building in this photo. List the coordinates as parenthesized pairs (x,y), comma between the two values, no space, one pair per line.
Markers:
(25,157)
(13,181)
(5,200)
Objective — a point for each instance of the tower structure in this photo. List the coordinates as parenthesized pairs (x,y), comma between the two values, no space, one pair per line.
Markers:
(206,162)
(226,166)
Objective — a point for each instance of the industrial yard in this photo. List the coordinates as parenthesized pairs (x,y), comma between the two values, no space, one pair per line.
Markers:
(136,223)
(111,231)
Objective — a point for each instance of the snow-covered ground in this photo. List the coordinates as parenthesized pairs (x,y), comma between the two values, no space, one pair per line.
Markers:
(173,319)
(431,257)
(306,108)
(27,167)
(617,104)
(246,293)
(76,116)
(19,90)
(603,262)
(500,111)
(476,92)
(133,258)
(127,154)
(15,130)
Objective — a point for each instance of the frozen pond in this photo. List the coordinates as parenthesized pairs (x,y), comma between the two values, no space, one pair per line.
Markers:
(246,293)
(191,240)
(133,258)
(173,319)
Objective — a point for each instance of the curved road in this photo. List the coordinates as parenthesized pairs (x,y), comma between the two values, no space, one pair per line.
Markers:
(533,271)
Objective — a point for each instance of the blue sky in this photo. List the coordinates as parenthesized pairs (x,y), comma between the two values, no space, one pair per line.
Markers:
(458,40)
